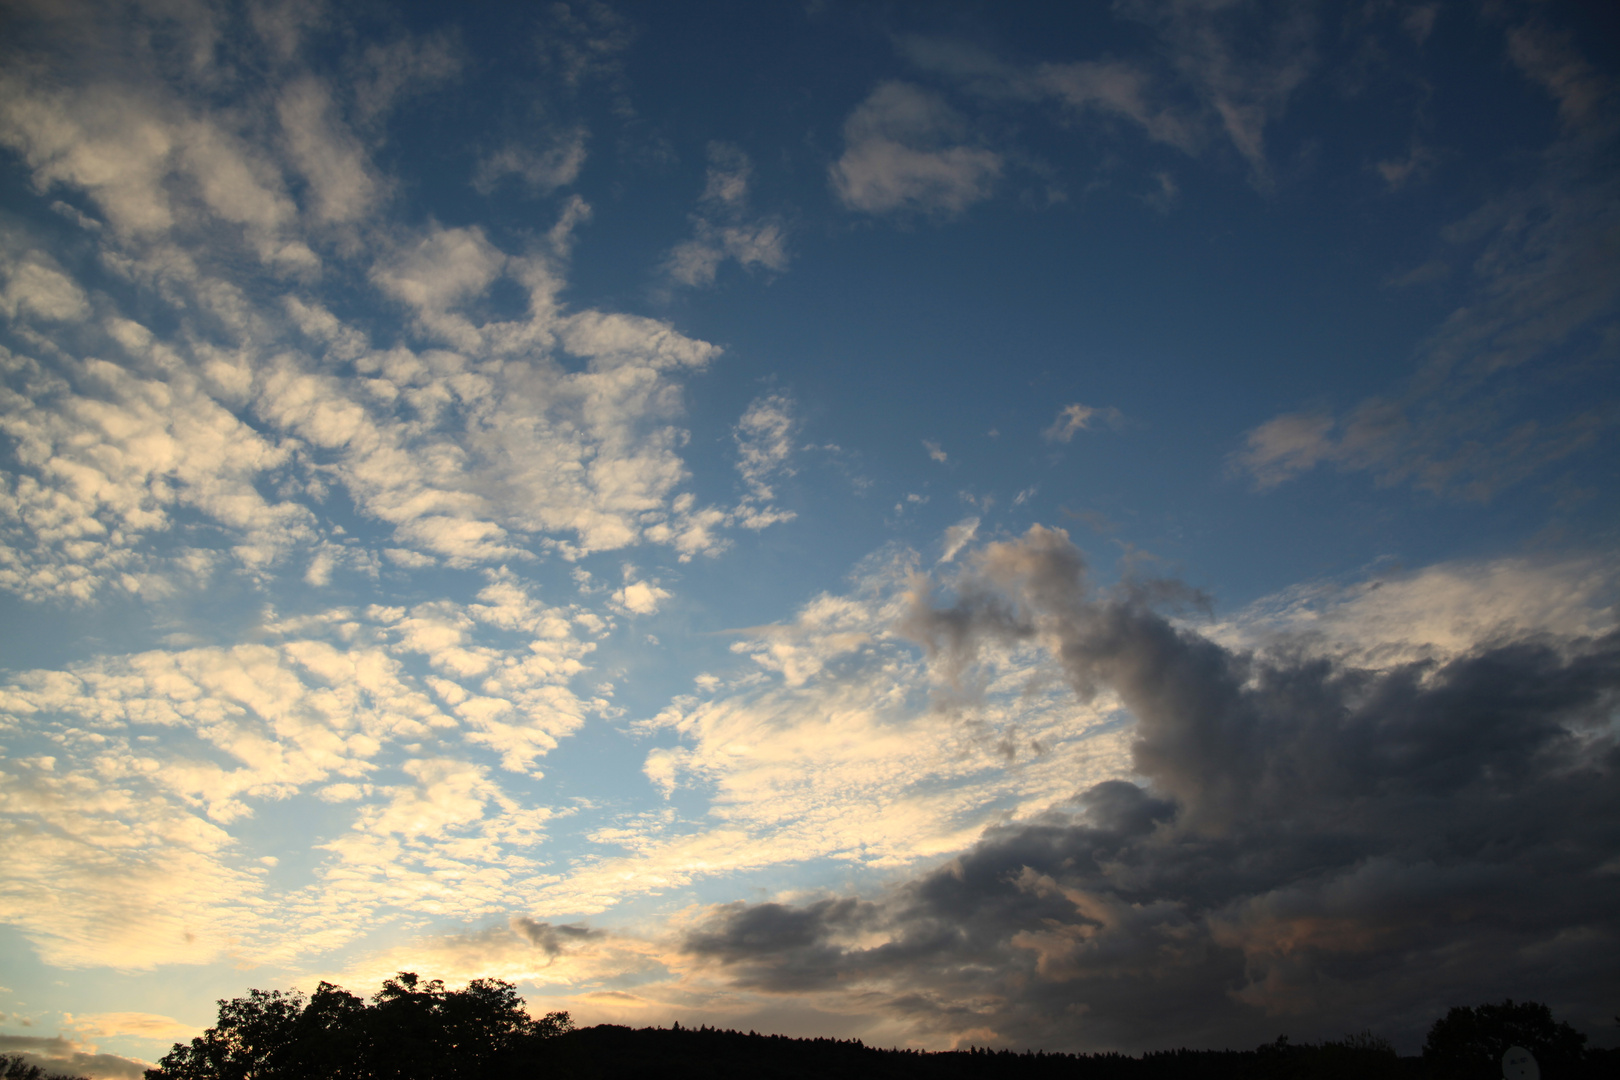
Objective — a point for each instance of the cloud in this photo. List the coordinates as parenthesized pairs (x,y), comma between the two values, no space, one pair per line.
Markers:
(133,781)
(1110,88)
(1077,417)
(1436,613)
(35,286)
(1344,844)
(845,744)
(1286,445)
(585,43)
(107,456)
(1549,57)
(1418,162)
(764,437)
(935,451)
(722,227)
(330,159)
(640,597)
(1229,69)
(67,1057)
(385,74)
(907,150)
(958,536)
(478,440)
(570,959)
(541,171)
(445,267)
(1545,279)
(1243,63)
(137,1025)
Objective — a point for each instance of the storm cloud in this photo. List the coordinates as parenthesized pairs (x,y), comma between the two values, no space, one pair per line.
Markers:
(1314,846)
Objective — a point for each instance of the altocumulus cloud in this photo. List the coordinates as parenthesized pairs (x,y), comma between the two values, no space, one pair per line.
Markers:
(198,396)
(1332,843)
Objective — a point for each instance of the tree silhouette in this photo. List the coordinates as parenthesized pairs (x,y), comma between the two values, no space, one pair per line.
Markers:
(1468,1043)
(16,1067)
(411,1030)
(415,1029)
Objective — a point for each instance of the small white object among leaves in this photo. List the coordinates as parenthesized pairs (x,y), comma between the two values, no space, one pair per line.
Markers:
(1519,1064)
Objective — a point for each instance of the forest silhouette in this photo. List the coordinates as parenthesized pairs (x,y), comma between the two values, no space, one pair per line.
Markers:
(417,1030)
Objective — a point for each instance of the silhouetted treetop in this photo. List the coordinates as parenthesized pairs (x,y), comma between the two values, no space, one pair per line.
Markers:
(16,1067)
(1468,1043)
(410,1030)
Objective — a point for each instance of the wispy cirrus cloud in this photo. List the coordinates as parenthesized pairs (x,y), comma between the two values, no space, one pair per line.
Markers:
(1544,275)
(1222,70)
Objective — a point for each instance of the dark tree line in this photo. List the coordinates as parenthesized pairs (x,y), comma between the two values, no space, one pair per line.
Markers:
(411,1030)
(16,1067)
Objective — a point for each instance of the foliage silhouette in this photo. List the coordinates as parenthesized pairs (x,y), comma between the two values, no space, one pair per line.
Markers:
(411,1030)
(16,1067)
(414,1030)
(1468,1043)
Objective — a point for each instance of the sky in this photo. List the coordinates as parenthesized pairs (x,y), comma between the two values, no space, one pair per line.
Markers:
(1067,526)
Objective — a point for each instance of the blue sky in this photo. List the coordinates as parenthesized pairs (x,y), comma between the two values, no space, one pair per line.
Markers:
(908,521)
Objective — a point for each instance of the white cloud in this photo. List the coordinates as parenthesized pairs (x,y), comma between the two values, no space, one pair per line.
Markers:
(143,771)
(764,435)
(541,171)
(569,958)
(1434,613)
(935,451)
(959,536)
(1285,446)
(1075,418)
(435,275)
(330,159)
(1419,160)
(723,229)
(906,149)
(105,458)
(35,286)
(483,452)
(140,1025)
(640,597)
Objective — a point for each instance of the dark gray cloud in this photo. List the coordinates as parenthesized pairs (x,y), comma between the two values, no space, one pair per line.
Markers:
(58,1055)
(1318,847)
(549,938)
